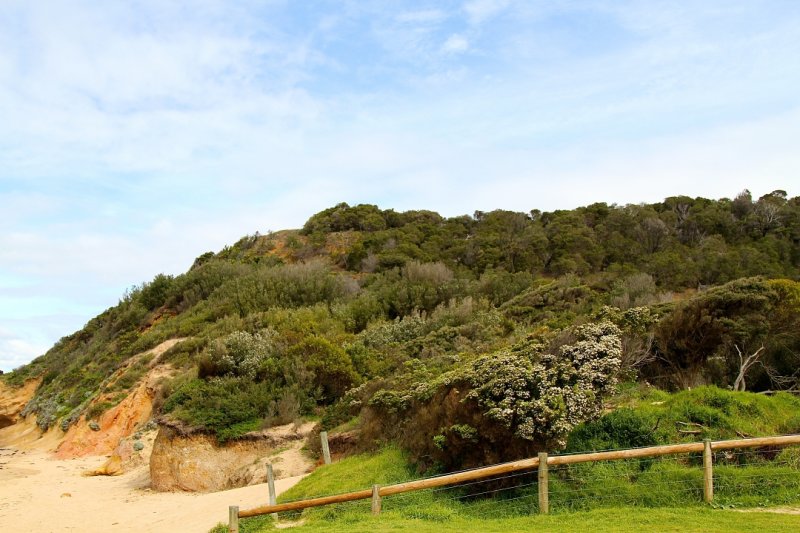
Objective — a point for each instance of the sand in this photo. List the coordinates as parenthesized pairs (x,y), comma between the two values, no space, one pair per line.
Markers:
(42,494)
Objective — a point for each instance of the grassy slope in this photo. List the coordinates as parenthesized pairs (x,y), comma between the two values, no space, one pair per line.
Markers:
(662,495)
(721,414)
(446,510)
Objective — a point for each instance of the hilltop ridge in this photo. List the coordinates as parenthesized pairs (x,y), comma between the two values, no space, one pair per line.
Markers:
(350,318)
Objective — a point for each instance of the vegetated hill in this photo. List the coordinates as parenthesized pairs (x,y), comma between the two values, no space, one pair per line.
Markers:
(501,326)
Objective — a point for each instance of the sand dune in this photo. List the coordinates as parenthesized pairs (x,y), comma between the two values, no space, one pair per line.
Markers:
(42,494)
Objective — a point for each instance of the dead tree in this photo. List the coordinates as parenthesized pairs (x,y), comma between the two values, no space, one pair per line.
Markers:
(745,363)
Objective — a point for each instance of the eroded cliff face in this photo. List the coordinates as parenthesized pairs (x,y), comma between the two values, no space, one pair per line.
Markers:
(16,431)
(178,459)
(112,428)
(115,433)
(12,401)
(196,463)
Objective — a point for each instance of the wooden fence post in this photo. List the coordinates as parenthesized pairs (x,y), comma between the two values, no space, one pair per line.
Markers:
(544,499)
(708,472)
(233,519)
(376,499)
(326,451)
(271,484)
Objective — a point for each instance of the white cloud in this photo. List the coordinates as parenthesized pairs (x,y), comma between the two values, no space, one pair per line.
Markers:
(16,351)
(711,163)
(480,11)
(455,44)
(426,16)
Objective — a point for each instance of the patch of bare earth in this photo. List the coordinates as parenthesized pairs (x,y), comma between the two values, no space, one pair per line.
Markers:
(122,420)
(196,462)
(778,510)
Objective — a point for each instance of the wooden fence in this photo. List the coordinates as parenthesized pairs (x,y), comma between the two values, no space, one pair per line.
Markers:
(542,463)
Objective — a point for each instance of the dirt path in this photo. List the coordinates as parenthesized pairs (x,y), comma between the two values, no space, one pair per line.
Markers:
(778,510)
(38,493)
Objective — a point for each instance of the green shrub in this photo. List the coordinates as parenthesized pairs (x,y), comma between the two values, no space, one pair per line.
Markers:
(130,377)
(227,407)
(621,428)
(519,401)
(96,410)
(332,369)
(238,354)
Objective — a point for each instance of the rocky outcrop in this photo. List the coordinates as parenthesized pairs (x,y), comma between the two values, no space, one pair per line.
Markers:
(13,400)
(131,453)
(21,432)
(182,460)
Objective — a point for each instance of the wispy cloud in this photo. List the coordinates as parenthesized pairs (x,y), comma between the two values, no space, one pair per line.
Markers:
(425,16)
(455,44)
(138,136)
(15,352)
(479,11)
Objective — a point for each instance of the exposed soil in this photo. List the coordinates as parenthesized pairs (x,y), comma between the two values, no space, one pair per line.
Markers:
(122,420)
(195,462)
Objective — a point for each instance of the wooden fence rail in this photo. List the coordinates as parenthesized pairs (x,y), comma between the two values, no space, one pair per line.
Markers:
(526,464)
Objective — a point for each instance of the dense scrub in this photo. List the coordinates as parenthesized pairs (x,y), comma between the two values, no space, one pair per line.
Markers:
(502,406)
(364,311)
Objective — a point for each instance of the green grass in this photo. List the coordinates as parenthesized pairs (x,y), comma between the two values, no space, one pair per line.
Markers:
(697,519)
(605,520)
(659,495)
(389,465)
(715,413)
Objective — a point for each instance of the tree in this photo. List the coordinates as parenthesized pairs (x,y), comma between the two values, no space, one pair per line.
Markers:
(745,363)
(722,334)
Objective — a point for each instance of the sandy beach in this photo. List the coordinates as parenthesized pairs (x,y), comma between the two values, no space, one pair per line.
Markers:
(41,494)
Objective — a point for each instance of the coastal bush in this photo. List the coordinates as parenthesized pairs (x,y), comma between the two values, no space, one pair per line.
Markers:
(506,405)
(238,354)
(227,407)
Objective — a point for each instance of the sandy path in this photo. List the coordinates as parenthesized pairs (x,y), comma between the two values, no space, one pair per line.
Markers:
(41,494)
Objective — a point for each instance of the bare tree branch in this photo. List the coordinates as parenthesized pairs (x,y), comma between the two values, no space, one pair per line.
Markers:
(745,363)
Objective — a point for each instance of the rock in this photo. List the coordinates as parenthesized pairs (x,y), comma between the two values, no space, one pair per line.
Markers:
(94,426)
(128,455)
(13,400)
(194,462)
(112,467)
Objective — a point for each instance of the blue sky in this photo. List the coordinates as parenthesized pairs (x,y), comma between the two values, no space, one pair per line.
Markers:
(135,136)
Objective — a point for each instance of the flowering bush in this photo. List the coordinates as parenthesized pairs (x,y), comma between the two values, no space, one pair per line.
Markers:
(541,398)
(516,401)
(240,353)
